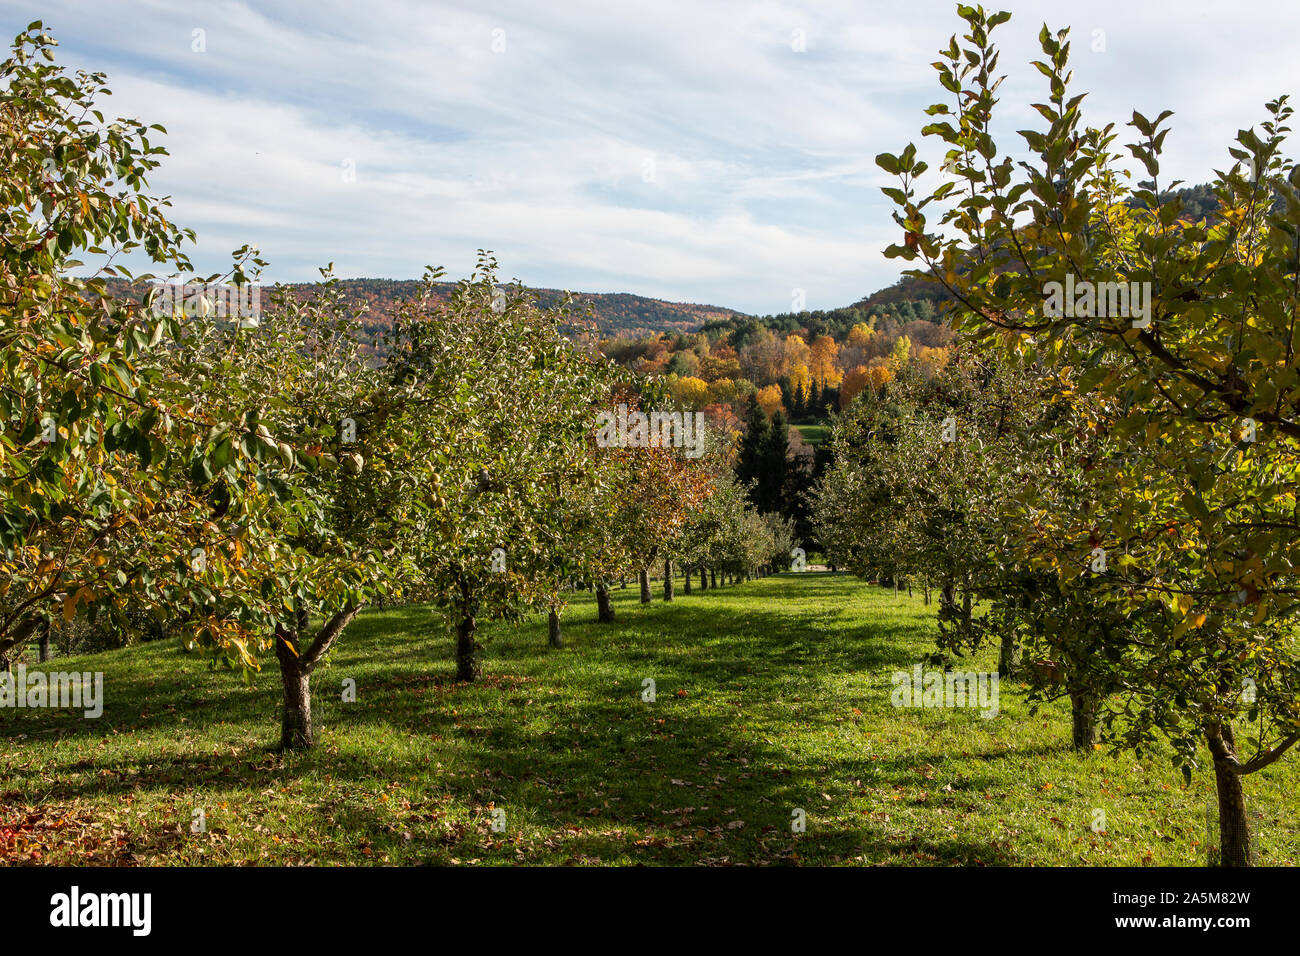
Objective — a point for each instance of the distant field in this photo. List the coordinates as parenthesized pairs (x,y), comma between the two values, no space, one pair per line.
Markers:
(815,434)
(772,697)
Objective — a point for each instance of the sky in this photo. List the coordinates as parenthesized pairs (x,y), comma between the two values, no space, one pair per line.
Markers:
(689,150)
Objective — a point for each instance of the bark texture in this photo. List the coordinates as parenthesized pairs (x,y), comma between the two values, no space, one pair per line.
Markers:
(297,661)
(1234,827)
(604,604)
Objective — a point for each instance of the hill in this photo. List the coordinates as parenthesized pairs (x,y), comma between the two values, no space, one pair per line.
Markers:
(628,316)
(615,313)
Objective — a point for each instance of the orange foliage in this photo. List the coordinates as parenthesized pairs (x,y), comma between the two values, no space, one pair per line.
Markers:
(769,399)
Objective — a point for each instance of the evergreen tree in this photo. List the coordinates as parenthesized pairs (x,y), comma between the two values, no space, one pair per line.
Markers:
(749,463)
(830,400)
(791,397)
(771,478)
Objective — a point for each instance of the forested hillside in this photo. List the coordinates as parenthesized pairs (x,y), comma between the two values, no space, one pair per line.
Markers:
(614,313)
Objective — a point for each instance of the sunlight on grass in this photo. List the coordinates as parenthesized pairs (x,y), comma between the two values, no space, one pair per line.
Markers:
(771,696)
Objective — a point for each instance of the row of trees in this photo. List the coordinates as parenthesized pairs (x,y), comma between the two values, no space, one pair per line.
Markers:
(1115,481)
(255,480)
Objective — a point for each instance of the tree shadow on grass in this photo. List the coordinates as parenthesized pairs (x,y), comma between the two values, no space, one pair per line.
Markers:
(607,775)
(153,690)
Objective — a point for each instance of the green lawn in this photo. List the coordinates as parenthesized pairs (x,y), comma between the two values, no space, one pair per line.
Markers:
(815,435)
(772,696)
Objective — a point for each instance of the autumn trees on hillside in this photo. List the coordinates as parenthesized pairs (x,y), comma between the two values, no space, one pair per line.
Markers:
(800,373)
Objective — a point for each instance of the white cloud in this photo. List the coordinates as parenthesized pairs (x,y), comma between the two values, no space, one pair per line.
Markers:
(686,151)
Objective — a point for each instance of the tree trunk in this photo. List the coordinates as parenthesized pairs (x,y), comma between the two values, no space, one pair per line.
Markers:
(713,579)
(668,579)
(687,576)
(1006,652)
(44,646)
(704,579)
(643,577)
(553,638)
(296,731)
(468,665)
(1083,720)
(604,604)
(11,644)
(296,664)
(1234,827)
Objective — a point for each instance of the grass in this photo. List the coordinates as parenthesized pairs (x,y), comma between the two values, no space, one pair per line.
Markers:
(772,696)
(814,435)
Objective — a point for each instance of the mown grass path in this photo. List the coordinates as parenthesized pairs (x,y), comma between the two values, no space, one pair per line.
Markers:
(772,696)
